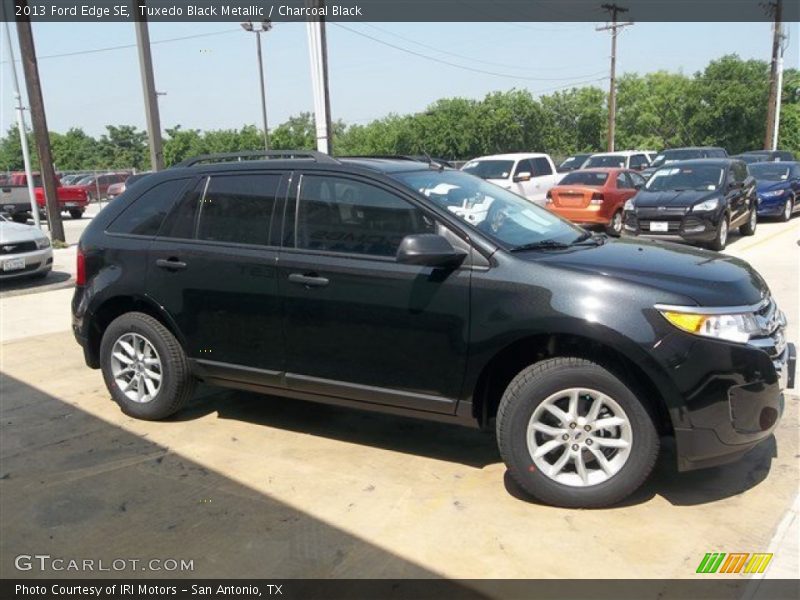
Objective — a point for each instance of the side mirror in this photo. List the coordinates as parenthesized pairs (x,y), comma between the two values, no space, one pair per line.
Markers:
(638,186)
(430,250)
(524,176)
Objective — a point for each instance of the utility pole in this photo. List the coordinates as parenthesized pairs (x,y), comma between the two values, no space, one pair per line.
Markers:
(775,77)
(149,88)
(39,121)
(264,27)
(318,55)
(613,9)
(23,135)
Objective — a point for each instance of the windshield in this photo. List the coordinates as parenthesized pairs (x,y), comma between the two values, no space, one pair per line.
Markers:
(690,177)
(770,171)
(489,169)
(510,220)
(574,162)
(670,156)
(85,180)
(584,178)
(608,160)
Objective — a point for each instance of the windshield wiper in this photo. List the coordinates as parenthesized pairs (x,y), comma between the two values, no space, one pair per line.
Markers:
(588,237)
(541,245)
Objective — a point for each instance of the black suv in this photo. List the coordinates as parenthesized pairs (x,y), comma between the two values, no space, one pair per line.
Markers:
(672,155)
(405,287)
(700,201)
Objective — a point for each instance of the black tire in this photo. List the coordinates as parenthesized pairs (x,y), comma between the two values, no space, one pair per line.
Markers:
(177,383)
(616,225)
(532,387)
(723,232)
(19,218)
(788,209)
(76,214)
(749,228)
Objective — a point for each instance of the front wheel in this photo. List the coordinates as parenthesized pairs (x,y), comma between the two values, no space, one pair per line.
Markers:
(749,228)
(788,209)
(76,214)
(572,434)
(721,238)
(144,367)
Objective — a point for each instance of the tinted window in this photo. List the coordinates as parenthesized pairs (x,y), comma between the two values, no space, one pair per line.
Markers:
(585,178)
(524,166)
(638,161)
(691,177)
(238,208)
(637,179)
(607,160)
(541,166)
(145,215)
(623,182)
(343,215)
(180,221)
(739,171)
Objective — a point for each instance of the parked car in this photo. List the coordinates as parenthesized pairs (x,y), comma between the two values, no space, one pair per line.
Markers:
(595,197)
(528,174)
(96,186)
(351,282)
(15,200)
(573,163)
(671,155)
(750,158)
(772,155)
(24,251)
(635,160)
(73,178)
(778,188)
(699,200)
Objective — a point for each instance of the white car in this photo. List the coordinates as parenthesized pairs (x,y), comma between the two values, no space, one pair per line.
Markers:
(625,159)
(24,251)
(529,175)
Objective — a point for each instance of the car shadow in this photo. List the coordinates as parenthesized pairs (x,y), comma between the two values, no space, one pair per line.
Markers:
(691,488)
(26,285)
(441,441)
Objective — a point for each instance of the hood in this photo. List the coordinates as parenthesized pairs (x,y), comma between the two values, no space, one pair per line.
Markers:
(708,278)
(18,232)
(765,185)
(673,198)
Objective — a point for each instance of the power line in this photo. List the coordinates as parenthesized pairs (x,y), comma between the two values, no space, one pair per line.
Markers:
(456,65)
(126,46)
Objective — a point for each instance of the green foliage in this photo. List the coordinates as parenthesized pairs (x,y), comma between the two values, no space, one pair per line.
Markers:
(723,105)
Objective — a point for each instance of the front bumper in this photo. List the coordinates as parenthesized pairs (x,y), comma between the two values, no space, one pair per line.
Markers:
(692,227)
(771,207)
(36,262)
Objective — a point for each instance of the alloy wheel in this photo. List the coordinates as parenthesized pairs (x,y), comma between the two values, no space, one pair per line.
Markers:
(579,437)
(787,210)
(723,231)
(136,367)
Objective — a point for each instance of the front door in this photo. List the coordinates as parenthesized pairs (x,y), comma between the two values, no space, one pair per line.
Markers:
(358,324)
(213,269)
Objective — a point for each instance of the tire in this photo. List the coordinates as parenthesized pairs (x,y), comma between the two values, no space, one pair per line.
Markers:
(749,228)
(76,214)
(721,238)
(176,383)
(524,402)
(19,218)
(788,209)
(614,227)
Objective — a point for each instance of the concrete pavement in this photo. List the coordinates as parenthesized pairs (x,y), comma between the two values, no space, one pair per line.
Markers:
(250,485)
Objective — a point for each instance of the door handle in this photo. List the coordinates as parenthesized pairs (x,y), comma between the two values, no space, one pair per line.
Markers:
(171,264)
(308,281)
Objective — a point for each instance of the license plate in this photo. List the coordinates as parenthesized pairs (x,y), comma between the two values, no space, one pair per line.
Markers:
(659,226)
(69,204)
(13,264)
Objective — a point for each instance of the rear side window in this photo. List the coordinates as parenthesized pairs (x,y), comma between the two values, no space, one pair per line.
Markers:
(145,215)
(541,167)
(238,208)
(638,161)
(623,182)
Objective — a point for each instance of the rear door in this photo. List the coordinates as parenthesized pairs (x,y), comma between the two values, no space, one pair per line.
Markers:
(213,269)
(543,179)
(358,324)
(523,188)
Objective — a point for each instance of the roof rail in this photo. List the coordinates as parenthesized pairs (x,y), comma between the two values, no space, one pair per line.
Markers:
(319,157)
(423,158)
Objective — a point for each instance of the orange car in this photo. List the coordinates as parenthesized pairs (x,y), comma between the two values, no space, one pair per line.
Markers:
(594,196)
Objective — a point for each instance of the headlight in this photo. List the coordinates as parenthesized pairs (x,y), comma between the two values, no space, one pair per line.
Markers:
(629,204)
(772,194)
(706,205)
(42,243)
(736,327)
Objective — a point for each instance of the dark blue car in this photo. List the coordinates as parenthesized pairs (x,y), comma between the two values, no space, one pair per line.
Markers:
(778,188)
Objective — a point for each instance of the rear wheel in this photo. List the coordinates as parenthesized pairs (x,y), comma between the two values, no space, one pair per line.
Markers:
(572,434)
(749,228)
(721,238)
(144,367)
(76,214)
(614,227)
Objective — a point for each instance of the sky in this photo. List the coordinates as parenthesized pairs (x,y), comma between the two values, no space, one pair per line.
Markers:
(210,81)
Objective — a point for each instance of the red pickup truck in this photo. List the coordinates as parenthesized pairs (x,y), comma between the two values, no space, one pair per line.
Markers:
(15,202)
